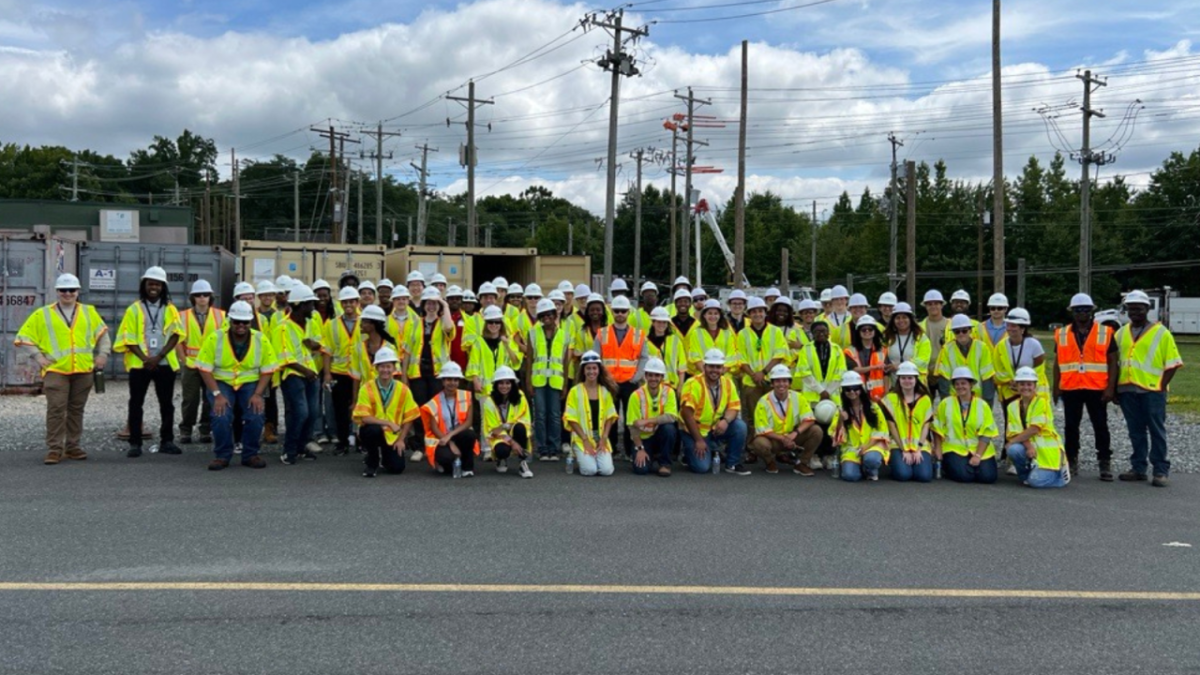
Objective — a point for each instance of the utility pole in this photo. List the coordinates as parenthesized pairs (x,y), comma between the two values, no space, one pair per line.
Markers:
(487,236)
(75,178)
(638,155)
(1086,158)
(451,235)
(337,207)
(422,216)
(998,264)
(689,160)
(570,236)
(814,245)
(409,241)
(739,220)
(674,198)
(910,254)
(979,304)
(360,208)
(236,245)
(894,220)
(206,214)
(296,206)
(468,157)
(378,156)
(619,63)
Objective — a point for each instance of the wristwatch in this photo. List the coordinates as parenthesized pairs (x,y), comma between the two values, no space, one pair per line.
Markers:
(216,393)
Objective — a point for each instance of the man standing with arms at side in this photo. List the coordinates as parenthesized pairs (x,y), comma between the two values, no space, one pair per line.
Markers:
(69,341)
(300,379)
(147,337)
(1084,364)
(199,321)
(1147,359)
(623,349)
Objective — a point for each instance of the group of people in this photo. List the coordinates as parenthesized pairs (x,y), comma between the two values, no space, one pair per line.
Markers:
(428,371)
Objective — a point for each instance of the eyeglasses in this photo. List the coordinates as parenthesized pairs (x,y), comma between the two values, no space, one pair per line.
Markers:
(961,331)
(1081,310)
(239,323)
(68,291)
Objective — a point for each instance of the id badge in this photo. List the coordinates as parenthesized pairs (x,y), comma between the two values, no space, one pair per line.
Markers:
(153,343)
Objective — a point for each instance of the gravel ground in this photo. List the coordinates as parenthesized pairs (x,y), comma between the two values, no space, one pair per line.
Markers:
(23,420)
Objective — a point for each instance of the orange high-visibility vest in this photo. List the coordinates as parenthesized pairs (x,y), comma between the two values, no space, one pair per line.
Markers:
(435,424)
(1086,368)
(621,359)
(873,381)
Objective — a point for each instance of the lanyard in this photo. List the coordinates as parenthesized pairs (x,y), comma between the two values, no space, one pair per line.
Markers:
(1016,362)
(782,406)
(904,344)
(715,394)
(153,317)
(965,413)
(386,394)
(69,321)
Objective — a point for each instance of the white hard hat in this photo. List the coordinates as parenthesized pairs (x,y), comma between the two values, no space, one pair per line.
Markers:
(838,292)
(438,278)
(493,313)
(698,293)
(621,302)
(998,300)
(582,291)
(454,292)
(515,289)
(908,369)
(68,282)
(1081,300)
(827,295)
(374,313)
(545,305)
(487,288)
(321,283)
(866,320)
(963,373)
(825,411)
(301,293)
(1018,317)
(565,286)
(851,379)
(500,282)
(1137,297)
(682,293)
(712,304)
(240,311)
(450,371)
(737,294)
(681,280)
(781,301)
(201,286)
(347,293)
(385,283)
(533,291)
(367,285)
(755,303)
(780,372)
(772,292)
(858,300)
(807,304)
(656,365)
(431,293)
(960,294)
(283,280)
(888,298)
(590,356)
(595,297)
(557,296)
(414,276)
(660,314)
(385,355)
(714,357)
(265,286)
(933,295)
(1025,374)
(649,286)
(903,308)
(469,296)
(242,288)
(401,292)
(155,273)
(618,284)
(960,321)
(503,373)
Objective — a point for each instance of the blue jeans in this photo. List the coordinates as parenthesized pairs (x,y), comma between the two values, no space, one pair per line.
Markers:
(222,425)
(730,444)
(1029,472)
(1146,415)
(547,420)
(659,447)
(327,424)
(922,473)
(958,469)
(871,463)
(302,409)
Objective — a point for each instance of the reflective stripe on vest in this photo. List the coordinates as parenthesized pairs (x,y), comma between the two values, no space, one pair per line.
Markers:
(1137,357)
(1083,367)
(547,360)
(227,367)
(621,360)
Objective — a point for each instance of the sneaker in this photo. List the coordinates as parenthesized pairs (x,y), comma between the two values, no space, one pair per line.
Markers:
(237,448)
(468,474)
(822,463)
(308,455)
(1132,475)
(134,451)
(185,439)
(872,475)
(487,455)
(738,470)
(525,472)
(1011,470)
(255,462)
(772,468)
(1106,473)
(287,460)
(1160,480)
(664,471)
(417,456)
(217,464)
(313,447)
(555,458)
(545,458)
(805,470)
(169,448)
(440,468)
(205,438)
(323,439)
(502,466)
(565,448)
(369,472)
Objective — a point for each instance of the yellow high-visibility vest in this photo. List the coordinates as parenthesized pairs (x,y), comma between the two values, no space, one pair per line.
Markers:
(769,418)
(133,332)
(70,348)
(341,342)
(757,351)
(961,433)
(216,356)
(579,411)
(978,360)
(1047,443)
(909,420)
(1143,361)
(1005,370)
(496,425)
(547,363)
(483,362)
(194,334)
(697,397)
(811,380)
(863,434)
(400,407)
(643,406)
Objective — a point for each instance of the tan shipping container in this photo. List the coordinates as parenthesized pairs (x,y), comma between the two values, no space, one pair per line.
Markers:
(552,269)
(307,261)
(366,262)
(463,266)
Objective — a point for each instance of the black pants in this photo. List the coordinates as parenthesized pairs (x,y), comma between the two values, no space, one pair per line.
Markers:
(624,392)
(423,388)
(343,393)
(377,447)
(1074,402)
(504,450)
(271,411)
(465,442)
(164,389)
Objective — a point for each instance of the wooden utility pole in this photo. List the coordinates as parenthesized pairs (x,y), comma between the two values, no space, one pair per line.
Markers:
(469,158)
(689,160)
(739,220)
(979,302)
(236,245)
(1086,158)
(296,206)
(378,156)
(814,245)
(337,207)
(784,284)
(422,215)
(910,253)
(360,207)
(894,218)
(674,198)
(997,159)
(638,156)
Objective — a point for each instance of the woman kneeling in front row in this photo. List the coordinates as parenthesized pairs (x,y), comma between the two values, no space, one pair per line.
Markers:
(589,415)
(863,432)
(910,413)
(384,412)
(447,421)
(506,421)
(1033,443)
(963,429)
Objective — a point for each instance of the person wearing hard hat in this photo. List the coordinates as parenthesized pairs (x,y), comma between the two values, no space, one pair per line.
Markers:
(825,299)
(236,364)
(862,435)
(907,341)
(366,293)
(384,289)
(760,348)
(149,331)
(325,308)
(438,281)
(1017,349)
(548,350)
(199,321)
(527,318)
(454,302)
(618,287)
(784,425)
(963,429)
(771,295)
(494,348)
(595,318)
(590,414)
(699,299)
(373,336)
(682,316)
(341,339)
(886,304)
(802,317)
(662,342)
(471,328)
(819,366)
(838,315)
(710,408)
(681,283)
(384,412)
(867,356)
(1147,362)
(268,324)
(652,415)
(514,306)
(965,352)
(737,310)
(647,301)
(501,285)
(797,334)
(404,325)
(712,331)
(348,278)
(431,356)
(70,342)
(283,287)
(857,307)
(995,327)
(936,327)
(908,408)
(623,349)
(299,376)
(1032,443)
(415,282)
(1084,364)
(446,420)
(506,422)
(244,291)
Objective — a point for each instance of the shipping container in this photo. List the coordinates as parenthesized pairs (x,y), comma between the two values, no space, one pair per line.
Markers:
(470,267)
(553,269)
(310,261)
(1183,316)
(331,261)
(29,265)
(112,273)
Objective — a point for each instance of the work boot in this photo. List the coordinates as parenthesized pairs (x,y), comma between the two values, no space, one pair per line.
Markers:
(76,454)
(52,458)
(269,435)
(1132,475)
(1106,473)
(1160,480)
(218,464)
(169,448)
(255,462)
(134,451)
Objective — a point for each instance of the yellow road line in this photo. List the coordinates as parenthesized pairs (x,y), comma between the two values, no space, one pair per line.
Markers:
(254,586)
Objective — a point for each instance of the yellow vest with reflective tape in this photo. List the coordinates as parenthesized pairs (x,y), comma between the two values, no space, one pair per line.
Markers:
(696,396)
(768,418)
(194,334)
(69,348)
(756,352)
(216,356)
(495,426)
(341,343)
(1143,361)
(861,435)
(909,420)
(547,359)
(133,332)
(642,406)
(961,436)
(1046,442)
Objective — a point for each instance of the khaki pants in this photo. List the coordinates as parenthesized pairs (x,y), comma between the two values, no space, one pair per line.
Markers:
(750,397)
(66,397)
(767,448)
(194,400)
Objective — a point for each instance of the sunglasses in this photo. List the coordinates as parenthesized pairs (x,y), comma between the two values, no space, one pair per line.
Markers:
(1081,310)
(239,323)
(201,295)
(852,390)
(620,311)
(962,331)
(867,329)
(68,291)
(997,309)
(493,323)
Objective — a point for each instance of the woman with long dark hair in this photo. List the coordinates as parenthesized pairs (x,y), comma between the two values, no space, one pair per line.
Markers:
(590,414)
(712,332)
(909,411)
(506,421)
(867,356)
(906,340)
(863,432)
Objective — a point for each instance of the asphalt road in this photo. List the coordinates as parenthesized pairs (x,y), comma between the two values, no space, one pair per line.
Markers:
(166,519)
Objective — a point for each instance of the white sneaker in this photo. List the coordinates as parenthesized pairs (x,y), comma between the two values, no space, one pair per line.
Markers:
(1011,470)
(566,448)
(487,455)
(468,474)
(313,447)
(237,448)
(824,463)
(525,472)
(502,466)
(323,439)
(417,456)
